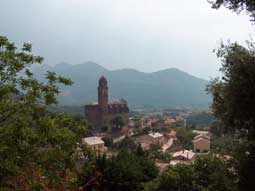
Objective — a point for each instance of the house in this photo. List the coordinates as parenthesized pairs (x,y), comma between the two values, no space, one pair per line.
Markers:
(150,139)
(156,138)
(181,120)
(162,166)
(151,122)
(168,144)
(96,143)
(169,120)
(127,131)
(197,132)
(171,133)
(201,143)
(131,122)
(184,155)
(201,135)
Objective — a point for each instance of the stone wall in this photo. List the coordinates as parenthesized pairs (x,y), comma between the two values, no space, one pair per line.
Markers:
(93,115)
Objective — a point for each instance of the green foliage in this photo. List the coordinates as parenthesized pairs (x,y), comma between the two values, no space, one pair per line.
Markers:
(123,175)
(244,164)
(143,131)
(224,144)
(146,130)
(137,121)
(118,121)
(151,185)
(166,128)
(213,173)
(88,167)
(75,123)
(126,144)
(126,171)
(200,119)
(138,131)
(207,173)
(236,5)
(233,105)
(108,141)
(155,152)
(179,178)
(216,128)
(233,102)
(185,136)
(37,147)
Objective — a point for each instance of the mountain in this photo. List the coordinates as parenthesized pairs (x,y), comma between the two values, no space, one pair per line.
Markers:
(165,88)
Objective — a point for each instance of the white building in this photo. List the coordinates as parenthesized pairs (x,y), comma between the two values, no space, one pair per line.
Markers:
(95,143)
(150,139)
(184,155)
(201,143)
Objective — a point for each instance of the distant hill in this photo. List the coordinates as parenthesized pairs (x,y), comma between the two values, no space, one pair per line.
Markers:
(165,88)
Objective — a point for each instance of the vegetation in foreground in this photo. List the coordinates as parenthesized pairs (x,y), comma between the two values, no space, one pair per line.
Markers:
(38,148)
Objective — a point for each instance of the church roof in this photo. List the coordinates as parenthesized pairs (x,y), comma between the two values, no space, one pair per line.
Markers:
(117,102)
(94,103)
(113,102)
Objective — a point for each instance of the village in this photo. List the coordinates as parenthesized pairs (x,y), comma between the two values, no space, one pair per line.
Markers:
(160,132)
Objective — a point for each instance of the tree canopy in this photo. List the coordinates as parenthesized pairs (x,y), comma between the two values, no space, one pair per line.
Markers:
(38,148)
(206,173)
(233,94)
(236,5)
(127,171)
(118,121)
(233,97)
(233,105)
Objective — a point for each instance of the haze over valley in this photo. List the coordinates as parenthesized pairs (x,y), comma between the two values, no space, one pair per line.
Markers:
(127,95)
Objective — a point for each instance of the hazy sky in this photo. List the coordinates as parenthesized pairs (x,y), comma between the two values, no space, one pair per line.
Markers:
(147,35)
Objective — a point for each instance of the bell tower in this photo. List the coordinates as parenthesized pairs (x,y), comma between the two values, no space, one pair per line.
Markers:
(103,93)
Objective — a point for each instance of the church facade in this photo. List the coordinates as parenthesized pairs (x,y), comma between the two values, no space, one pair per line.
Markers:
(100,114)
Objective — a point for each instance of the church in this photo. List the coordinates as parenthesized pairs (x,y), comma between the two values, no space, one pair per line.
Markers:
(101,114)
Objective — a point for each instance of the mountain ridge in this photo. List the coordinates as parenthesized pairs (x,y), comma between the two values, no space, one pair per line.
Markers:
(164,88)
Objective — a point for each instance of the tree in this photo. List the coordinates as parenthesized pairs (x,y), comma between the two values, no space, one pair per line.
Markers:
(207,177)
(118,121)
(128,170)
(126,144)
(233,94)
(155,153)
(185,136)
(199,176)
(223,144)
(179,178)
(233,105)
(108,141)
(137,121)
(37,147)
(236,5)
(89,169)
(200,119)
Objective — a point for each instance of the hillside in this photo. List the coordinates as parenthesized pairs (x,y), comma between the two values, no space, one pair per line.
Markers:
(165,88)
